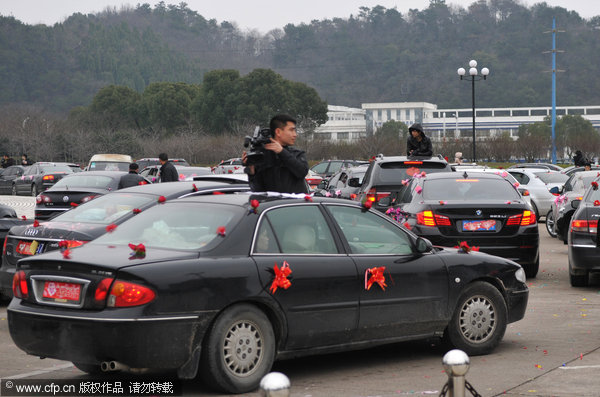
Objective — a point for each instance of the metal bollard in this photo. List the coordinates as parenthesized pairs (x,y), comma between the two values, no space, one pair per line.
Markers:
(275,384)
(456,363)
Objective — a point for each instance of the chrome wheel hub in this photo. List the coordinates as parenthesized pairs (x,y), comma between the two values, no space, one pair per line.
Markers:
(477,319)
(242,348)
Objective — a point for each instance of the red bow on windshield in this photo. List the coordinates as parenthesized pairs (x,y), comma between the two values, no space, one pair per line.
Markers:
(376,277)
(281,277)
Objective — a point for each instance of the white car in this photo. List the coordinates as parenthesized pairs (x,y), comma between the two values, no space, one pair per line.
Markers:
(229,166)
(538,182)
(506,175)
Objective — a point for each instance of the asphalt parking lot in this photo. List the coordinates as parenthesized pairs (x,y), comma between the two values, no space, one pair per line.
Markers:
(553,351)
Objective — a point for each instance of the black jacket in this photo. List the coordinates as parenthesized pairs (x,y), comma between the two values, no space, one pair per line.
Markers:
(578,159)
(168,173)
(131,179)
(423,148)
(283,172)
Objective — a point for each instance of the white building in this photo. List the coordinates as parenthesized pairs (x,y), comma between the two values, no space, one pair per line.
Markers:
(349,124)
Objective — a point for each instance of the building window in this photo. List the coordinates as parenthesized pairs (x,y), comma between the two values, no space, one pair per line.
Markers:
(342,135)
(379,114)
(389,114)
(539,112)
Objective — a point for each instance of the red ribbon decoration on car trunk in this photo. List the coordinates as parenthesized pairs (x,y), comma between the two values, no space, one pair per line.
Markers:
(281,277)
(376,277)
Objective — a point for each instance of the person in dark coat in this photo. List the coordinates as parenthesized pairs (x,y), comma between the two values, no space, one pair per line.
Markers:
(578,159)
(132,178)
(283,168)
(418,144)
(7,161)
(168,172)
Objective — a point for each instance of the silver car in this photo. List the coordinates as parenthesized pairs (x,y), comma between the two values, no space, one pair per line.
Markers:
(503,173)
(538,182)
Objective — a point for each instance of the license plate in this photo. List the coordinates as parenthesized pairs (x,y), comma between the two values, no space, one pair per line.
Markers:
(479,225)
(29,248)
(61,292)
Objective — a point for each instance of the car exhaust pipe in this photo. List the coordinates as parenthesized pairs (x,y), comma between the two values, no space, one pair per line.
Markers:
(111,366)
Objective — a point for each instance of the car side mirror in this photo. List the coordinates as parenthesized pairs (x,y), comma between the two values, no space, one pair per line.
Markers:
(385,202)
(353,182)
(555,190)
(424,245)
(575,203)
(323,184)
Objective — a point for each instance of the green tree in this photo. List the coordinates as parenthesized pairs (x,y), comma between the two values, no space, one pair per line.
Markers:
(168,105)
(573,133)
(393,129)
(534,140)
(116,106)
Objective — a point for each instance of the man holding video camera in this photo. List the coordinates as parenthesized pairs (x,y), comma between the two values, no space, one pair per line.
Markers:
(282,168)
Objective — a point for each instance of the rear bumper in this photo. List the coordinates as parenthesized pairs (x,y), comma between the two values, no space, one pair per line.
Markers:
(584,257)
(165,343)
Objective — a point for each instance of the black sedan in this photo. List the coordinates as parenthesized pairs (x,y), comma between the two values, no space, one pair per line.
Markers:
(222,285)
(75,189)
(90,220)
(8,177)
(481,209)
(41,176)
(584,246)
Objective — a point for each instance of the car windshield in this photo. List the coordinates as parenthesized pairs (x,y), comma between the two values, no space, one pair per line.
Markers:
(106,209)
(181,226)
(396,172)
(185,172)
(108,166)
(81,179)
(552,177)
(469,189)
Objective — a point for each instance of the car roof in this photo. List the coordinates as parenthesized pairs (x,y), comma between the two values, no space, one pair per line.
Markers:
(112,174)
(461,174)
(437,159)
(165,189)
(265,201)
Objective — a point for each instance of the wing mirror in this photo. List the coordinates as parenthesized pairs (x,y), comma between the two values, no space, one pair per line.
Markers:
(555,190)
(424,245)
(323,184)
(353,182)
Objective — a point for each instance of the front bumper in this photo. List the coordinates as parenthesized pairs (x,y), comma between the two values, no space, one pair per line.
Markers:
(516,302)
(163,343)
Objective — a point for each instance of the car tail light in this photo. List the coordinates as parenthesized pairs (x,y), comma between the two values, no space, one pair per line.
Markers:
(19,285)
(88,198)
(413,162)
(584,226)
(525,219)
(74,243)
(102,290)
(42,199)
(4,246)
(48,177)
(125,294)
(525,193)
(428,218)
(374,195)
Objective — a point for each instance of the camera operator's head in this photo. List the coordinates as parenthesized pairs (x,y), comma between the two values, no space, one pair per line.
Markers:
(283,129)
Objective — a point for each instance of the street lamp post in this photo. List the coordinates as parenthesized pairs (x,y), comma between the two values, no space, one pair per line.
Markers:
(473,76)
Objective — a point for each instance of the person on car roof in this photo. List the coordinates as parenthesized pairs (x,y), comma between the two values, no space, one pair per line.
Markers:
(418,144)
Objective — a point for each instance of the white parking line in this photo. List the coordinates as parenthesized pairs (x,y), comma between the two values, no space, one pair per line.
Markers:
(39,372)
(581,367)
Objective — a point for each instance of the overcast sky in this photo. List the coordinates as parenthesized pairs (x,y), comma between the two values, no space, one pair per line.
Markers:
(263,15)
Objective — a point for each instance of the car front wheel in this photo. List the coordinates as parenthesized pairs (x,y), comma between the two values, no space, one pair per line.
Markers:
(14,190)
(238,350)
(479,321)
(550,223)
(33,190)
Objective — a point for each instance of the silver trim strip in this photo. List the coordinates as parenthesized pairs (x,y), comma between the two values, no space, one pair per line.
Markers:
(583,246)
(44,239)
(104,319)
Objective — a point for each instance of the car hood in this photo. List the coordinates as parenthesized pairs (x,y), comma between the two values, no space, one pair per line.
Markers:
(60,230)
(101,256)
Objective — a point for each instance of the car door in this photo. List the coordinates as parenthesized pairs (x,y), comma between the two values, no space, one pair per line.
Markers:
(321,304)
(23,182)
(412,298)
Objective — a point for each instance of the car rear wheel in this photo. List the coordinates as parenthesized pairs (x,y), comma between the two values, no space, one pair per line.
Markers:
(33,190)
(479,321)
(239,350)
(550,223)
(532,269)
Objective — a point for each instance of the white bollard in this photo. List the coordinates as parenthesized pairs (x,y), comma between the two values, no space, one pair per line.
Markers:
(275,384)
(456,363)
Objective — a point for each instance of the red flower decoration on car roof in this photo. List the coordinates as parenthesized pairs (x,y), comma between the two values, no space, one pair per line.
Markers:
(194,188)
(353,196)
(23,217)
(136,211)
(162,199)
(418,189)
(254,204)
(139,251)
(281,277)
(221,231)
(595,185)
(110,228)
(36,223)
(308,198)
(367,204)
(596,203)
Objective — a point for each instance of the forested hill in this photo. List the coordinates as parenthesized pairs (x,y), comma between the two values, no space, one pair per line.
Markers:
(376,55)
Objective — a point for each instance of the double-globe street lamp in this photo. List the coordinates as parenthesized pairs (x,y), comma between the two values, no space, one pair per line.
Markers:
(473,76)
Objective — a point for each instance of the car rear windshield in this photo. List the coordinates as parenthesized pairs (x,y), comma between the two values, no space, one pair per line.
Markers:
(106,209)
(396,172)
(183,225)
(552,177)
(469,189)
(56,168)
(108,166)
(82,180)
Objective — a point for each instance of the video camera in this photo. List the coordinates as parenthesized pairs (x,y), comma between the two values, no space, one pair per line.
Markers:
(257,145)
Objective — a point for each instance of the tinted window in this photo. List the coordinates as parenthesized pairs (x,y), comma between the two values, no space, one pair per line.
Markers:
(395,172)
(47,169)
(520,177)
(82,180)
(334,166)
(552,177)
(301,230)
(320,168)
(367,233)
(108,166)
(106,209)
(469,189)
(179,226)
(265,240)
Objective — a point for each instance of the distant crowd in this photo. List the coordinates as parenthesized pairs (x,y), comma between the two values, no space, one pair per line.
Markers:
(7,161)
